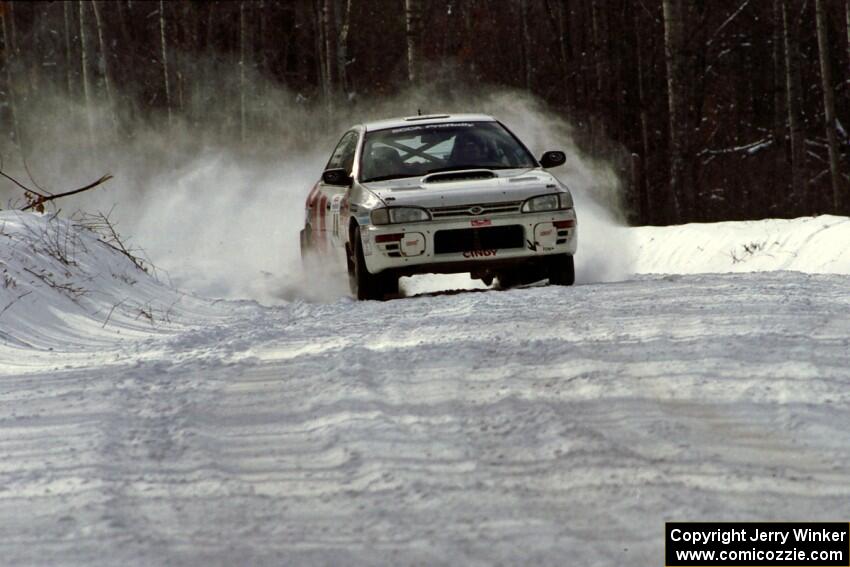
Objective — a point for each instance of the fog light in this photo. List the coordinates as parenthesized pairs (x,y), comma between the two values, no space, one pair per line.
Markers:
(413,244)
(389,237)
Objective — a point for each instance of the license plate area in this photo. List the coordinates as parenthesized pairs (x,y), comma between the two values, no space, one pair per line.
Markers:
(470,239)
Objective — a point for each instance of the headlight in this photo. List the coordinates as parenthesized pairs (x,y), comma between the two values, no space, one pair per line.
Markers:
(399,215)
(543,203)
(380,216)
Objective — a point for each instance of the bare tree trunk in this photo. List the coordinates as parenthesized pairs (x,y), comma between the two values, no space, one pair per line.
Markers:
(643,188)
(565,60)
(847,17)
(413,20)
(13,34)
(262,58)
(321,59)
(779,114)
(325,53)
(559,28)
(829,105)
(328,23)
(8,54)
(780,174)
(793,91)
(84,71)
(597,46)
(599,97)
(66,8)
(107,81)
(164,49)
(242,126)
(673,45)
(342,45)
(526,44)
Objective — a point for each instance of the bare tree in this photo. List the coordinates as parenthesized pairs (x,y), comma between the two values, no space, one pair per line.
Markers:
(343,11)
(645,198)
(793,89)
(779,114)
(413,20)
(674,37)
(829,104)
(66,12)
(324,55)
(556,17)
(8,53)
(164,50)
(13,35)
(84,72)
(526,43)
(104,59)
(321,58)
(328,26)
(242,126)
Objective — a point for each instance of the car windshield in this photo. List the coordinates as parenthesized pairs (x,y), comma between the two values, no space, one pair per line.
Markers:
(416,150)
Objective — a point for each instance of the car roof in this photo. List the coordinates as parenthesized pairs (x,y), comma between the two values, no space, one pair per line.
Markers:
(425,119)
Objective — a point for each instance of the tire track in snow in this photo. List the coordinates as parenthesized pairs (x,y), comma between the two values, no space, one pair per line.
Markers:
(478,428)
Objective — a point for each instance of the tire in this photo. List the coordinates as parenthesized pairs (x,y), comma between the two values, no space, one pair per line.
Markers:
(306,243)
(508,279)
(523,275)
(562,270)
(365,285)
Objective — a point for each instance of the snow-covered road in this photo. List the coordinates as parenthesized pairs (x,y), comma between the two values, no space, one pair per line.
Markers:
(534,426)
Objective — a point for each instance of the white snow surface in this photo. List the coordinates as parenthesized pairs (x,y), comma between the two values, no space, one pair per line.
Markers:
(816,245)
(542,425)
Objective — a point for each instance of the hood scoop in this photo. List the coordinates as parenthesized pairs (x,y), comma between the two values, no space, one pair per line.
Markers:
(465,175)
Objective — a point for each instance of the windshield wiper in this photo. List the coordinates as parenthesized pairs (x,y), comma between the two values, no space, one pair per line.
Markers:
(387,177)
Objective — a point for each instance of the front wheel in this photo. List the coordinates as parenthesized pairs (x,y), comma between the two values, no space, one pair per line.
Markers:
(365,285)
(306,243)
(562,270)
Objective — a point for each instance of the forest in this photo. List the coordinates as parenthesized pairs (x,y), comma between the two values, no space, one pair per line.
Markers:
(707,109)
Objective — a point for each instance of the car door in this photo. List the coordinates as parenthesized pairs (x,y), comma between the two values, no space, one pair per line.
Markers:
(329,198)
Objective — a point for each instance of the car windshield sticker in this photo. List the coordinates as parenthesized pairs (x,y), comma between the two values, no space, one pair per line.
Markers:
(432,126)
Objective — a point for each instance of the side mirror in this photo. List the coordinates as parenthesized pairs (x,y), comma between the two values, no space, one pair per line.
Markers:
(553,159)
(337,176)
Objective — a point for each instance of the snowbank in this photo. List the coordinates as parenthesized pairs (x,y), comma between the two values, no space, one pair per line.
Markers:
(816,245)
(63,289)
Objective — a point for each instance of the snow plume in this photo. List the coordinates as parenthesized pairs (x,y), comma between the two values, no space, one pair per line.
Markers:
(221,214)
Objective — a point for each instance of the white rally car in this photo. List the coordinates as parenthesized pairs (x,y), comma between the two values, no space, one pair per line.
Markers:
(440,194)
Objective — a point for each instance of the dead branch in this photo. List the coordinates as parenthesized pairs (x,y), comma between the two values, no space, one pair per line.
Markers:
(109,316)
(76,292)
(14,301)
(21,185)
(43,199)
(102,225)
(37,198)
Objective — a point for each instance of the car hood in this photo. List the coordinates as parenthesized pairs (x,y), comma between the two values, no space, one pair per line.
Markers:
(508,185)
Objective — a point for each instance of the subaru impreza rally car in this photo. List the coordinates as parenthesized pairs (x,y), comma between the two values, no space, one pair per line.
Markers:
(440,194)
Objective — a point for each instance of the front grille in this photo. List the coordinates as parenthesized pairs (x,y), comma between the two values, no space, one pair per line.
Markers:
(465,211)
(468,239)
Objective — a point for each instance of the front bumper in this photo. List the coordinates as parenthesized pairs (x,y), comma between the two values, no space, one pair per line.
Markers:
(414,251)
